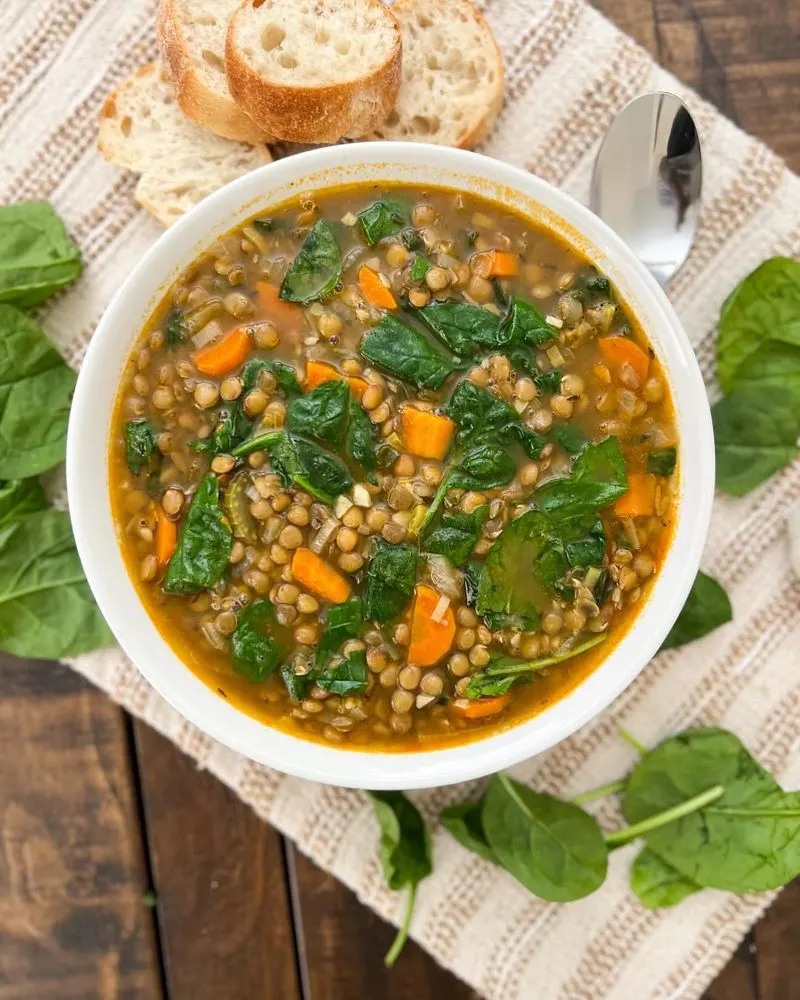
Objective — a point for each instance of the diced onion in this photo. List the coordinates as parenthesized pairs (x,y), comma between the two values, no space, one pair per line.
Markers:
(213,635)
(445,260)
(324,535)
(361,496)
(342,505)
(554,356)
(520,405)
(349,219)
(554,321)
(440,610)
(251,492)
(256,238)
(445,577)
(209,332)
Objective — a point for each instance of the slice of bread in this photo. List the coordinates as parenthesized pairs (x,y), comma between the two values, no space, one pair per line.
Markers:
(191,35)
(314,70)
(452,87)
(142,128)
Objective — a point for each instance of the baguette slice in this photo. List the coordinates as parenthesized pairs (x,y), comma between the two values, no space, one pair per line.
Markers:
(452,87)
(142,128)
(314,70)
(191,35)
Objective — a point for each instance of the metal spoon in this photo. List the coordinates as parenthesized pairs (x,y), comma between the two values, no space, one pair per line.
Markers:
(647,181)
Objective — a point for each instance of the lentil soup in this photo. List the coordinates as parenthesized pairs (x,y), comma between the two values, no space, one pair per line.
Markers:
(393,468)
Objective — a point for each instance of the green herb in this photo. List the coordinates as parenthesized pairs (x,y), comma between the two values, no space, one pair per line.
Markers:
(405,853)
(412,240)
(391,575)
(597,479)
(554,848)
(419,267)
(330,414)
(455,535)
(462,327)
(316,269)
(37,258)
(344,622)
(19,497)
(46,607)
(570,437)
(348,676)
(140,445)
(656,883)
(204,545)
(254,651)
(174,330)
(404,351)
(503,671)
(382,218)
(755,434)
(464,822)
(706,608)
(35,394)
(300,462)
(524,324)
(661,461)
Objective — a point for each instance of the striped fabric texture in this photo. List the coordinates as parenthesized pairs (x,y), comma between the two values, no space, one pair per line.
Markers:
(568,72)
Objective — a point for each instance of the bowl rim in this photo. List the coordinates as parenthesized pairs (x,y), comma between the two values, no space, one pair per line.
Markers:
(115,592)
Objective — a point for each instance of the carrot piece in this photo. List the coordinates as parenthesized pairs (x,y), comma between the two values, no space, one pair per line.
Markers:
(495,264)
(426,434)
(618,351)
(318,372)
(223,356)
(319,577)
(640,498)
(374,290)
(481,708)
(284,314)
(166,537)
(430,640)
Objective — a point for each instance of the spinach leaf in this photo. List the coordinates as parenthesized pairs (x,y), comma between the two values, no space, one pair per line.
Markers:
(548,382)
(524,324)
(412,240)
(706,608)
(486,686)
(462,327)
(591,287)
(464,822)
(658,884)
(329,413)
(297,685)
(301,462)
(37,258)
(382,218)
(391,575)
(184,324)
(755,434)
(255,651)
(174,332)
(35,394)
(405,852)
(344,622)
(404,351)
(359,444)
(570,437)
(503,671)
(285,376)
(419,267)
(455,535)
(554,848)
(316,269)
(348,676)
(204,545)
(19,497)
(746,839)
(661,461)
(140,445)
(597,479)
(479,415)
(481,468)
(46,607)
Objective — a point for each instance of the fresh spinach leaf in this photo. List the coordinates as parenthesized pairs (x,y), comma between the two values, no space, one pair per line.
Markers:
(316,269)
(454,535)
(404,351)
(391,575)
(285,376)
(412,240)
(140,445)
(46,607)
(524,324)
(503,671)
(548,382)
(481,415)
(348,676)
(554,848)
(661,461)
(486,686)
(419,267)
(300,462)
(35,394)
(344,622)
(382,218)
(297,685)
(405,852)
(657,884)
(330,413)
(462,327)
(204,544)
(591,287)
(570,437)
(360,441)
(37,257)
(255,651)
(19,497)
(706,608)
(481,468)
(755,434)
(464,822)
(597,479)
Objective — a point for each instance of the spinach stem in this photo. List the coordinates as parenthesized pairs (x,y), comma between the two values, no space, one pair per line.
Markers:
(436,503)
(531,666)
(402,931)
(636,830)
(632,741)
(598,793)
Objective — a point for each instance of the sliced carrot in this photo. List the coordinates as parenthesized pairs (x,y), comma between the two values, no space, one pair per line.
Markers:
(318,576)
(640,499)
(166,537)
(481,708)
(426,434)
(495,264)
(283,314)
(430,640)
(318,372)
(374,290)
(621,350)
(224,355)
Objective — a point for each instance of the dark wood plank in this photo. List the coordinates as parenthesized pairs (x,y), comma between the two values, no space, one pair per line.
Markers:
(73,923)
(220,883)
(738,980)
(778,953)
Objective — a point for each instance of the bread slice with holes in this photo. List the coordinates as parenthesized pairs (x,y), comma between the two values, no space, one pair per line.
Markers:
(452,86)
(142,128)
(314,70)
(191,36)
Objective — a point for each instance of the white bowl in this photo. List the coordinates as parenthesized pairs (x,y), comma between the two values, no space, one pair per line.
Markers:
(88,474)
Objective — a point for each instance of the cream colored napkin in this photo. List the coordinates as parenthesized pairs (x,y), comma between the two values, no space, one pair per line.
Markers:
(569,71)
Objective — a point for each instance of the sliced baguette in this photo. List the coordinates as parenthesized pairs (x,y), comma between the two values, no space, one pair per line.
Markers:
(191,35)
(452,87)
(314,70)
(142,128)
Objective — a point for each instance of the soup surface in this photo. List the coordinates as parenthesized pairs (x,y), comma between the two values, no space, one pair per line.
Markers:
(392,468)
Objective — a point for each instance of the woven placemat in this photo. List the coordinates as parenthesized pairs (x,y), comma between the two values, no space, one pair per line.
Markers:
(569,71)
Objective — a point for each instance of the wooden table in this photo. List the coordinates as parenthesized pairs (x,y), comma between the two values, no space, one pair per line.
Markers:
(126,873)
